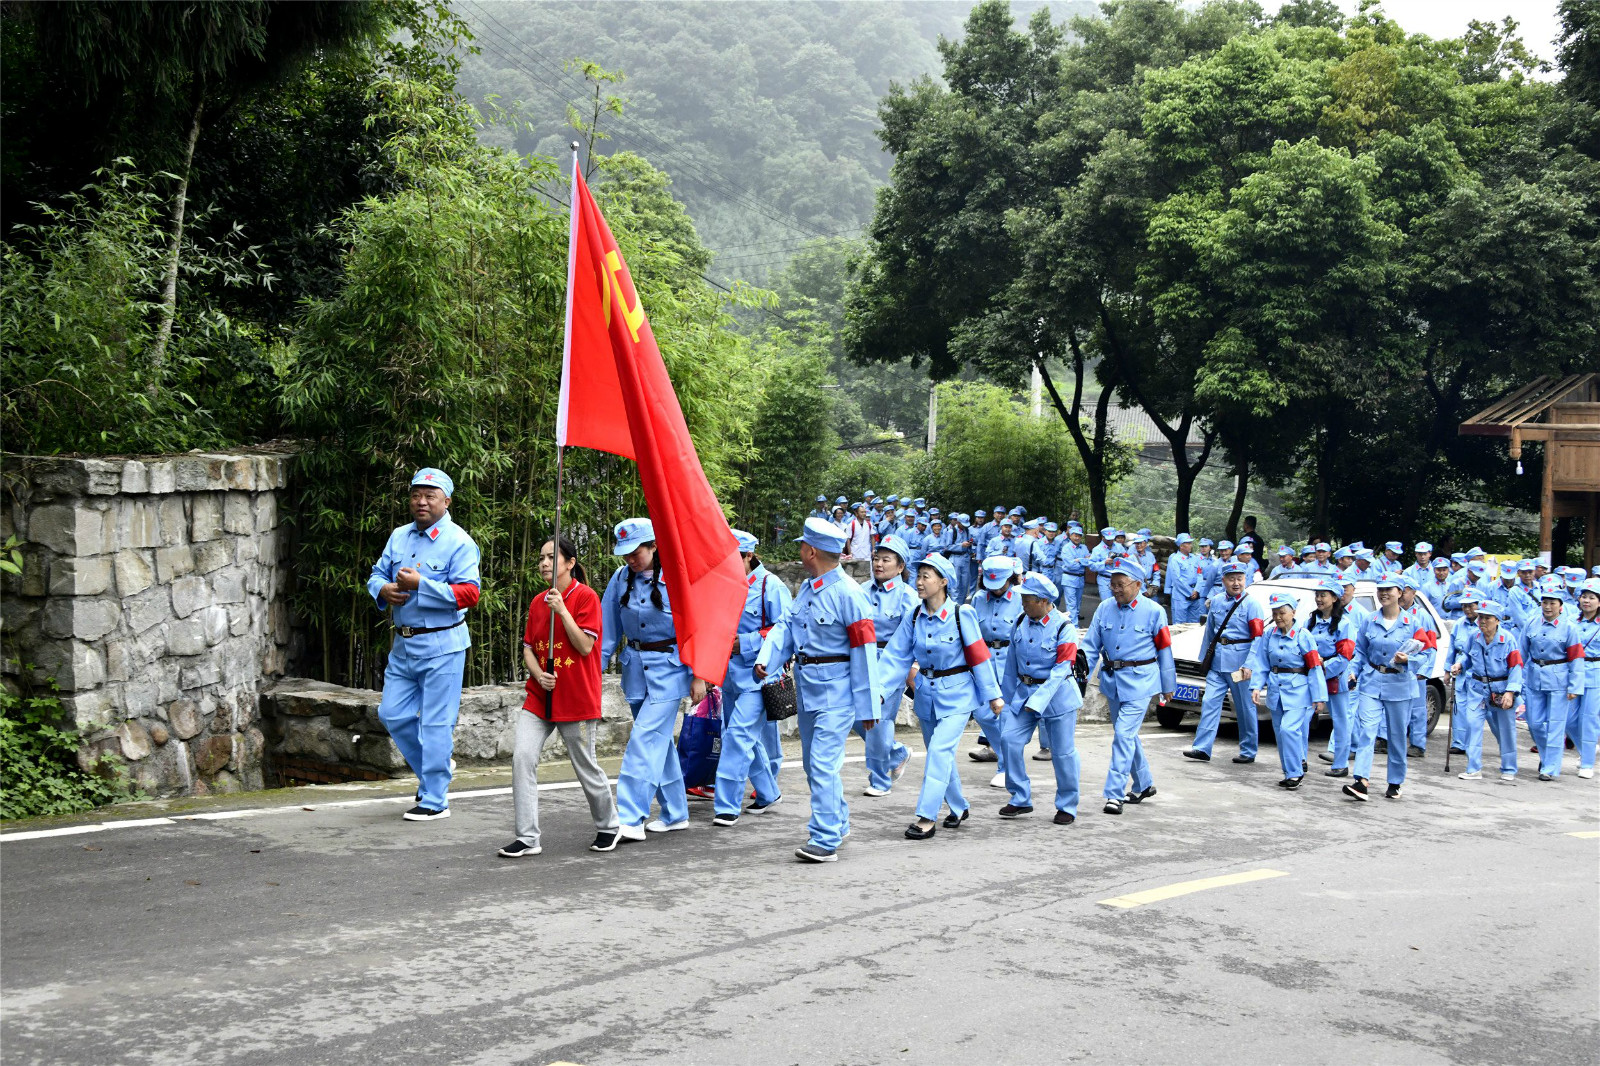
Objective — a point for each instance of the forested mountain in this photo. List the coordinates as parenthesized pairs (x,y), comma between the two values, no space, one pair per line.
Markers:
(764,115)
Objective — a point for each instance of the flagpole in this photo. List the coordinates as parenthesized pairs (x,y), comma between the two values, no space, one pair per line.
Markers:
(561,428)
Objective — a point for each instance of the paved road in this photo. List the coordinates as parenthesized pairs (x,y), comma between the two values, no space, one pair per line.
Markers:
(1460,924)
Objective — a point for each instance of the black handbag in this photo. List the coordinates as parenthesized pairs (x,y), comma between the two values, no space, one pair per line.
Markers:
(778,698)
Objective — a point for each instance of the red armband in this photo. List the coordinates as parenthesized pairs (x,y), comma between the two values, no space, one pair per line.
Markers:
(466,595)
(1514,659)
(1575,653)
(1163,638)
(1345,649)
(1066,653)
(1312,659)
(1257,627)
(976,652)
(862,633)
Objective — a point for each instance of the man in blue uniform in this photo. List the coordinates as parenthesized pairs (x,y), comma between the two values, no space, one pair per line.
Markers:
(1422,569)
(1129,639)
(821,510)
(1185,573)
(426,579)
(1234,622)
(1100,563)
(828,631)
(1041,694)
(1073,561)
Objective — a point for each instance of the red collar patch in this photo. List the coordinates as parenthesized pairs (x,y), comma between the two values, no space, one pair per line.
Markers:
(944,613)
(1045,620)
(433,534)
(888,586)
(816,585)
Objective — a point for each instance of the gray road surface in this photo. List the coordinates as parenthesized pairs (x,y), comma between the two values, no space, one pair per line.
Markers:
(1460,924)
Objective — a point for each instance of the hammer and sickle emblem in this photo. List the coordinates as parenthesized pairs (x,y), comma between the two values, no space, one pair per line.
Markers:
(634,315)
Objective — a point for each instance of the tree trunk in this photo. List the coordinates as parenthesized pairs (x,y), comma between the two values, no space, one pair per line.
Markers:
(1241,471)
(1092,453)
(1188,474)
(1446,404)
(169,288)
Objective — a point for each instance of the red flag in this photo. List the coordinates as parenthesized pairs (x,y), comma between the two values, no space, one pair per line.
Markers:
(616,397)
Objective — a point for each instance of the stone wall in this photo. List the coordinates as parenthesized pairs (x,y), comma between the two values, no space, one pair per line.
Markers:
(153,592)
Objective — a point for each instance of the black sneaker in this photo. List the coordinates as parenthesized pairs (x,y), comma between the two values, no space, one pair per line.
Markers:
(1196,754)
(419,813)
(1012,810)
(1356,790)
(605,840)
(1392,792)
(1380,747)
(756,806)
(1304,766)
(1546,777)
(518,849)
(725,819)
(1112,807)
(1244,758)
(1414,752)
(815,853)
(1140,797)
(1343,771)
(1290,783)
(954,820)
(1457,751)
(1064,818)
(1325,756)
(983,755)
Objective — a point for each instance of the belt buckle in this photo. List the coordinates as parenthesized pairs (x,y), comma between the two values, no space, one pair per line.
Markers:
(407,631)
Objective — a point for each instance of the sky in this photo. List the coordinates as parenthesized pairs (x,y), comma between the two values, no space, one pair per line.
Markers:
(1537,20)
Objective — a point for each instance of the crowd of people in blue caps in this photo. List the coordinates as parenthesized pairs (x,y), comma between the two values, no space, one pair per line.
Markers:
(980,617)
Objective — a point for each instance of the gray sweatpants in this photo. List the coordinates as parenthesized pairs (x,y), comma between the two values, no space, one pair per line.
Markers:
(532,732)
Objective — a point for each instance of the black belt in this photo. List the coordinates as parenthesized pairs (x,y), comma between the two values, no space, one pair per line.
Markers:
(1591,658)
(998,643)
(1388,669)
(1026,680)
(1290,670)
(1486,678)
(949,672)
(652,645)
(1113,665)
(883,643)
(814,660)
(1551,662)
(417,631)
(1234,640)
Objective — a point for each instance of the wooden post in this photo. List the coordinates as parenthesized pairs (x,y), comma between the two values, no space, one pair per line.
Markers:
(1547,501)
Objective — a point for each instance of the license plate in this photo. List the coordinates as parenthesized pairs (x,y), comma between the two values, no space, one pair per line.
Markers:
(1189,693)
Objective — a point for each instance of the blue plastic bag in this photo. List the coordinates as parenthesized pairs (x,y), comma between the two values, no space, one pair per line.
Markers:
(700,742)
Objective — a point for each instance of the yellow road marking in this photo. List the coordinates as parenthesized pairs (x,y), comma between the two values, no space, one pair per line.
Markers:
(1586,835)
(1183,888)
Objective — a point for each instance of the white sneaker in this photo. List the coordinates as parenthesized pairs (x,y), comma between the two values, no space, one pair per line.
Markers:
(1471,775)
(1586,772)
(658,826)
(900,767)
(630,832)
(997,781)
(1508,779)
(871,791)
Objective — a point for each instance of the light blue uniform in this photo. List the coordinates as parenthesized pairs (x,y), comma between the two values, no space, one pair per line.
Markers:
(1553,667)
(1041,694)
(1487,667)
(1099,561)
(959,552)
(1235,643)
(654,681)
(1583,721)
(997,615)
(1072,562)
(1122,637)
(891,601)
(744,716)
(1185,576)
(828,628)
(1337,647)
(1386,691)
(1287,667)
(957,672)
(422,681)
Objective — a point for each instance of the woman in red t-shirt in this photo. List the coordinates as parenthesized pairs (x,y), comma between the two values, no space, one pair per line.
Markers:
(563,696)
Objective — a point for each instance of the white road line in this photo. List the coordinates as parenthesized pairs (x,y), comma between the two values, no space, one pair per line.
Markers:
(256,812)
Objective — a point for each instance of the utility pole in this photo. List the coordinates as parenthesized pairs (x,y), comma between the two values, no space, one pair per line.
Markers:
(1037,393)
(933,415)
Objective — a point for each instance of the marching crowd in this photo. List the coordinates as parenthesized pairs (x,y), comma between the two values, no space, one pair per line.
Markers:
(976,618)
